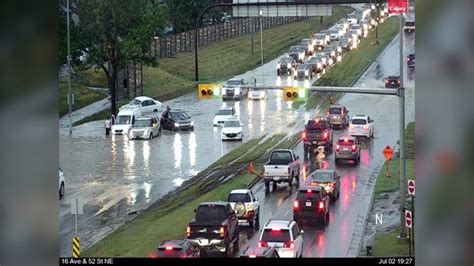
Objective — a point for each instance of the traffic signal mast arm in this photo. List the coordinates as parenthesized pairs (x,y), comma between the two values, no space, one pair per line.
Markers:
(381,91)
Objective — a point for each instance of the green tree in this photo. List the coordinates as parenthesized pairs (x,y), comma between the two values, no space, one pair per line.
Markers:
(183,13)
(117,32)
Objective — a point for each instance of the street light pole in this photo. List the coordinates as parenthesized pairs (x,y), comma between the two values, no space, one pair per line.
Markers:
(261,44)
(403,185)
(69,94)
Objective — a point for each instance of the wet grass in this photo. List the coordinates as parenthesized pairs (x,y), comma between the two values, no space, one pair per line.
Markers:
(390,184)
(387,244)
(227,58)
(142,235)
(83,96)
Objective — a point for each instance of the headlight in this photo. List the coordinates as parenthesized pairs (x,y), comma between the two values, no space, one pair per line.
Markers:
(240,132)
(278,65)
(333,53)
(237,90)
(339,49)
(192,123)
(306,72)
(319,65)
(288,65)
(301,56)
(176,125)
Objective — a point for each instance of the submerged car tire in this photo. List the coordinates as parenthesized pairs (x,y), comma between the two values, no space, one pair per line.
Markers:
(274,185)
(151,136)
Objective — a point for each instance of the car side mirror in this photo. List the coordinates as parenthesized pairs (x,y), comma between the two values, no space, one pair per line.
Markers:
(297,157)
(189,116)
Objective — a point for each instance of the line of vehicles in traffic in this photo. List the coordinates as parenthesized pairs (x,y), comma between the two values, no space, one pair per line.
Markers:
(215,226)
(314,55)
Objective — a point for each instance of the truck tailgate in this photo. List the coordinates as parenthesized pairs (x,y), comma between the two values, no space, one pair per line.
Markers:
(276,170)
(204,231)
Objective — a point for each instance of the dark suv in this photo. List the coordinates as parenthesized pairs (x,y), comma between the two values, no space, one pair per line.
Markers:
(311,203)
(286,66)
(338,116)
(317,133)
(214,227)
(411,60)
(392,82)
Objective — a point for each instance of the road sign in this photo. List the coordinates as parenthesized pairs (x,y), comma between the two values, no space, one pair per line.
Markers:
(76,247)
(388,153)
(397,6)
(408,221)
(411,187)
(77,205)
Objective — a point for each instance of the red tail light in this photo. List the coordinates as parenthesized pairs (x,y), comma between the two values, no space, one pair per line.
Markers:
(290,244)
(321,205)
(188,231)
(353,147)
(296,205)
(168,248)
(303,135)
(338,147)
(222,231)
(346,139)
(262,244)
(252,256)
(309,191)
(325,136)
(366,127)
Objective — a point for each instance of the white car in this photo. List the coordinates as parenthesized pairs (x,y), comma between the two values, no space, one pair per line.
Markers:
(246,205)
(62,184)
(145,104)
(231,130)
(223,114)
(283,235)
(145,127)
(256,94)
(126,117)
(361,126)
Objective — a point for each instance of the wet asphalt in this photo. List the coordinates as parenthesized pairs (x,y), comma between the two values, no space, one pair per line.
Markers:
(116,177)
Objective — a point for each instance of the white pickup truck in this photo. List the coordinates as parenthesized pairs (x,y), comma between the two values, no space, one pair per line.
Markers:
(282,166)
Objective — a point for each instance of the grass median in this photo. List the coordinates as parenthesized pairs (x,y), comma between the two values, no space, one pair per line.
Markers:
(354,63)
(141,236)
(387,244)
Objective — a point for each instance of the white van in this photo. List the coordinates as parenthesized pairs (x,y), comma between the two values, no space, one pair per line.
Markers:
(124,120)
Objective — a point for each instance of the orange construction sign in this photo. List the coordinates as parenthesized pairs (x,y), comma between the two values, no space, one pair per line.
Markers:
(388,152)
(250,169)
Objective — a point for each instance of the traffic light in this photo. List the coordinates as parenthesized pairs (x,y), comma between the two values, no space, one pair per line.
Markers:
(209,91)
(295,94)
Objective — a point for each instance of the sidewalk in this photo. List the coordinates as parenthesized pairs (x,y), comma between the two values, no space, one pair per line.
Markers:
(84,112)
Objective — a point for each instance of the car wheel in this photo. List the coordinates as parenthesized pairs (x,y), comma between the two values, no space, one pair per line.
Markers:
(267,185)
(61,190)
(274,185)
(159,131)
(151,136)
(155,111)
(337,161)
(235,248)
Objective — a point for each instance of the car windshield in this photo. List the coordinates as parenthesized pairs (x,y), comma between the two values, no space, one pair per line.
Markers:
(224,112)
(410,23)
(123,120)
(359,121)
(231,124)
(271,235)
(233,82)
(334,32)
(239,197)
(179,116)
(320,36)
(135,102)
(142,123)
(211,213)
(323,176)
(334,111)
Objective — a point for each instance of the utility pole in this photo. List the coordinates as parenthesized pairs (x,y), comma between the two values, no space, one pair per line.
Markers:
(69,94)
(261,44)
(252,29)
(403,183)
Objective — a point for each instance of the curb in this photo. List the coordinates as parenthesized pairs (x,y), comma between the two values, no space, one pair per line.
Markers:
(355,244)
